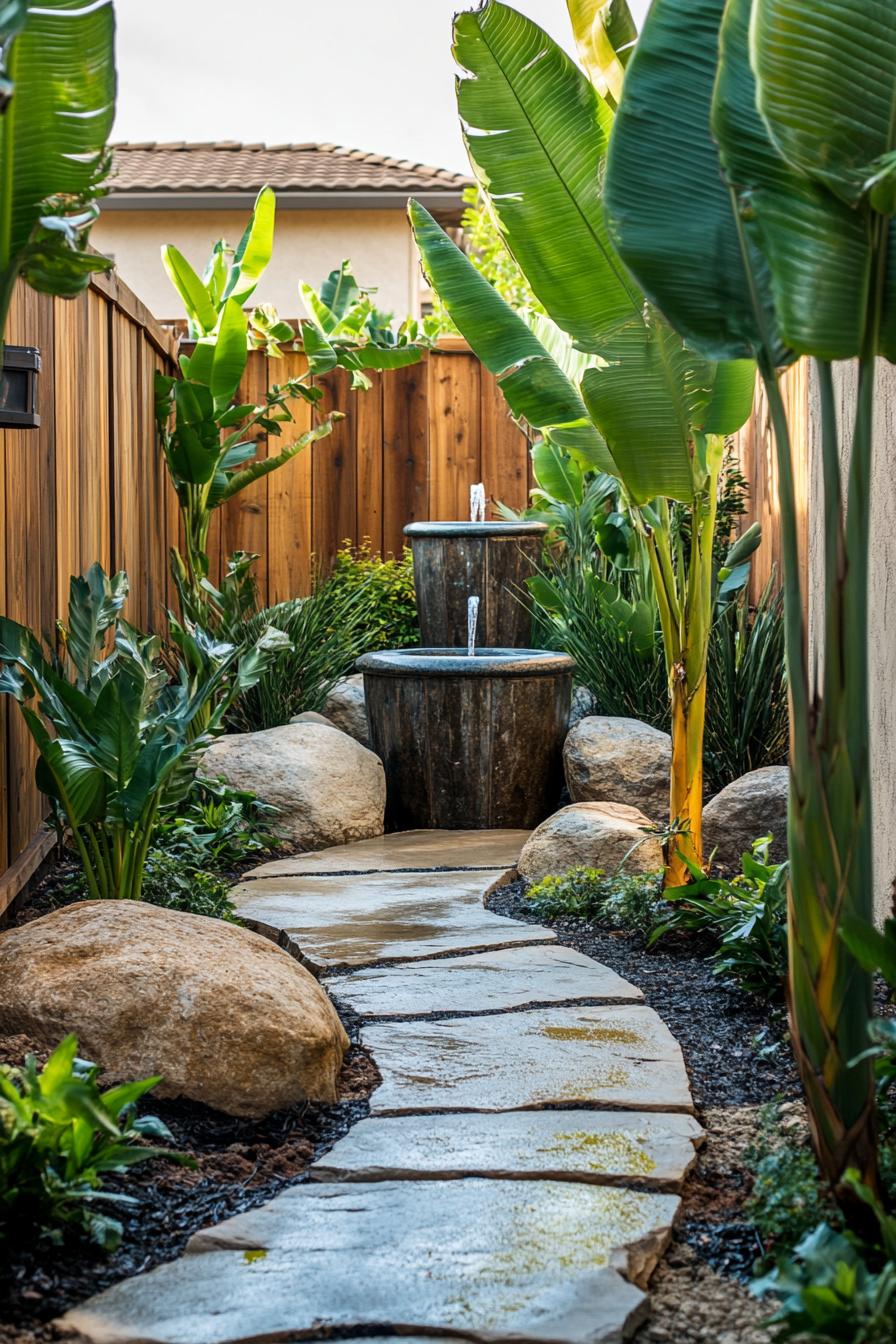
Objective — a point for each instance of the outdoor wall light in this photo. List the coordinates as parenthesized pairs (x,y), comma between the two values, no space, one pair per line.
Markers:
(18,387)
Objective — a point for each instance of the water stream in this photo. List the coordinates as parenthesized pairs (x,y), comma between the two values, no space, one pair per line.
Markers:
(477,503)
(472,622)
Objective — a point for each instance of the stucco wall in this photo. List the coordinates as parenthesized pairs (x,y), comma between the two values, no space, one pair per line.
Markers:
(308,245)
(882,600)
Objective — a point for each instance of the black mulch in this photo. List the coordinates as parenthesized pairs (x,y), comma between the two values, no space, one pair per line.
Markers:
(735,1048)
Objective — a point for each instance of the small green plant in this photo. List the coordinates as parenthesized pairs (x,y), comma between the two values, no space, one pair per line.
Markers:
(787,1200)
(617,899)
(747,916)
(176,884)
(60,1136)
(117,739)
(390,620)
(836,1289)
(216,827)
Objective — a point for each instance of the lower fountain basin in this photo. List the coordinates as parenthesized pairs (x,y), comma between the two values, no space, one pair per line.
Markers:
(468,742)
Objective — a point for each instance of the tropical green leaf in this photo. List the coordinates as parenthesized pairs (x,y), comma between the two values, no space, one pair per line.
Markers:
(263,466)
(321,355)
(873,950)
(537,133)
(193,293)
(640,403)
(255,249)
(52,139)
(535,387)
(340,291)
(81,784)
(731,399)
(812,248)
(230,353)
(670,212)
(94,603)
(317,310)
(826,74)
(372,356)
(195,444)
(557,473)
(605,34)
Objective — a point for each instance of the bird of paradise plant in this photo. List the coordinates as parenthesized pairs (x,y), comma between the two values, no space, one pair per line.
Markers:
(750,188)
(624,394)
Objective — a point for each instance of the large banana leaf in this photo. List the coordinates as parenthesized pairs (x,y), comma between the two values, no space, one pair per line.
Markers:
(605,34)
(669,209)
(52,140)
(826,73)
(815,246)
(255,249)
(536,388)
(537,134)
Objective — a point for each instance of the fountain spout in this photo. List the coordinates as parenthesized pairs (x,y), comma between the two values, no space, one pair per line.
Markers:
(477,503)
(472,622)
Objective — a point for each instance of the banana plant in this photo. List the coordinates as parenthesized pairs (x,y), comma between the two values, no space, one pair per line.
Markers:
(116,739)
(57,98)
(753,200)
(644,407)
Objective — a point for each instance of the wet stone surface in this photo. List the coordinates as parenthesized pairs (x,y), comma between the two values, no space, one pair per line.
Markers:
(357,920)
(481,983)
(604,1147)
(494,1259)
(411,850)
(611,1057)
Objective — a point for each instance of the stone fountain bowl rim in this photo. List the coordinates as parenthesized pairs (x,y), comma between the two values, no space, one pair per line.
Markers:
(486,662)
(489,529)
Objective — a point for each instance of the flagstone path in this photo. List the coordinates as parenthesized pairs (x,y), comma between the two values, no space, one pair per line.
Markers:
(518,1176)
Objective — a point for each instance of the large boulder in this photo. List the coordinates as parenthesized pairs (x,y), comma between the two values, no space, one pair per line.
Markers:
(754,805)
(619,759)
(346,708)
(591,835)
(581,707)
(329,789)
(224,1015)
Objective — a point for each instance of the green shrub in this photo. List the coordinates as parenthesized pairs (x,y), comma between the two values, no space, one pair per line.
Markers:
(176,884)
(388,582)
(787,1199)
(834,1289)
(60,1136)
(217,827)
(747,916)
(616,899)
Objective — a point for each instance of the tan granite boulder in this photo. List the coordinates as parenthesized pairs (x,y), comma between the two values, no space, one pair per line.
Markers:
(328,788)
(591,835)
(753,806)
(346,708)
(622,759)
(224,1015)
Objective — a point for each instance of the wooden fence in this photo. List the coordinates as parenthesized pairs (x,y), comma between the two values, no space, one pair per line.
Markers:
(89,484)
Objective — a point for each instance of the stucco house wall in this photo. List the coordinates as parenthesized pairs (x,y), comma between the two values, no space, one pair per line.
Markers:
(308,245)
(882,599)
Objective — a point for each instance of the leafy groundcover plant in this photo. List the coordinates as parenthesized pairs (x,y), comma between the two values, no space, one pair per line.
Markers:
(616,899)
(390,620)
(61,1135)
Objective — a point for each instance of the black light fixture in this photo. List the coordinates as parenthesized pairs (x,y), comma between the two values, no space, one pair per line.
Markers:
(18,387)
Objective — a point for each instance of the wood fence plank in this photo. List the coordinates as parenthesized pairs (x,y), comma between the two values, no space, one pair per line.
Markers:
(68,341)
(505,450)
(405,453)
(288,550)
(455,434)
(245,521)
(370,463)
(334,472)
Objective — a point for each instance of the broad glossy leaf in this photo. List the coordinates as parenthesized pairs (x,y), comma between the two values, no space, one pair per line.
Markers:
(94,603)
(196,445)
(255,248)
(670,211)
(117,727)
(535,387)
(814,248)
(826,76)
(193,293)
(263,466)
(80,784)
(642,403)
(316,309)
(340,291)
(605,34)
(557,474)
(320,353)
(230,353)
(372,356)
(537,134)
(53,136)
(731,399)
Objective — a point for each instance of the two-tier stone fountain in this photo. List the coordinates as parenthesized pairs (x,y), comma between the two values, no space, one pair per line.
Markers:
(471,734)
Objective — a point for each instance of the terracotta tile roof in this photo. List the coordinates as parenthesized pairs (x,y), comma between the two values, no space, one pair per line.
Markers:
(229,166)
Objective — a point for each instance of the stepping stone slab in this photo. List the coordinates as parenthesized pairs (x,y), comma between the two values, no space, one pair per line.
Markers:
(603,1147)
(487,981)
(332,922)
(405,850)
(515,1260)
(621,1057)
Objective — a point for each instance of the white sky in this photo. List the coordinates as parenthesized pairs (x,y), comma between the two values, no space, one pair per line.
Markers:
(373,74)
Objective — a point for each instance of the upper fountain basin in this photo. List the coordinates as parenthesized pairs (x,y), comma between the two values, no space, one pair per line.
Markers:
(458,663)
(520,528)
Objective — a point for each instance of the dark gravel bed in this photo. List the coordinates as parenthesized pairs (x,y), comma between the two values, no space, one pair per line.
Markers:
(240,1164)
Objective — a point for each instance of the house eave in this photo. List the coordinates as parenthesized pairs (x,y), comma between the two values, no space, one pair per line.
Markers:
(439,203)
